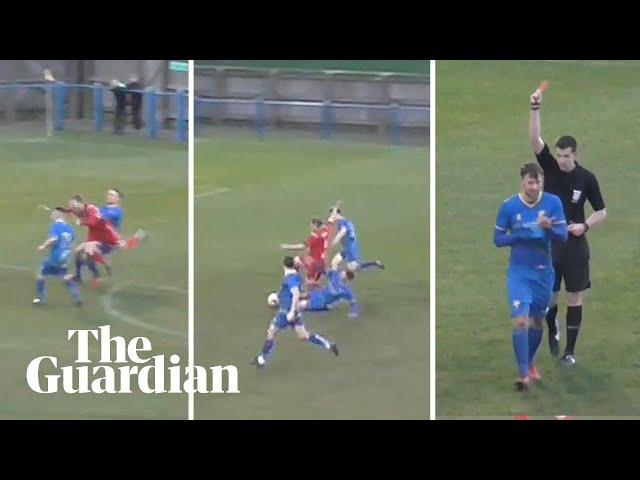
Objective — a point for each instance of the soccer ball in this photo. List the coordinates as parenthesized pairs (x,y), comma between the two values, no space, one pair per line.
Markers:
(272,299)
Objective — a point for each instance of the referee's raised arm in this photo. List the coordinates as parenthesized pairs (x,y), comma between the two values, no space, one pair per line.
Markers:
(534,122)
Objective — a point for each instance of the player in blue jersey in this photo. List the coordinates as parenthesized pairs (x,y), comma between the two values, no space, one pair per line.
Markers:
(345,234)
(289,316)
(59,242)
(336,291)
(528,223)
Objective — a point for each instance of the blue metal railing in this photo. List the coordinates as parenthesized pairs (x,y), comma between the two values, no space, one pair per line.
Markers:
(394,115)
(61,92)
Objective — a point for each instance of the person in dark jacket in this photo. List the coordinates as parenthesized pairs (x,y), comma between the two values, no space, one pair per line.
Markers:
(119,92)
(136,102)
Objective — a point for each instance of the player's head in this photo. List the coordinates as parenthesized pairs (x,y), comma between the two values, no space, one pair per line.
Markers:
(114,196)
(335,214)
(288,262)
(566,152)
(76,203)
(316,223)
(58,213)
(532,177)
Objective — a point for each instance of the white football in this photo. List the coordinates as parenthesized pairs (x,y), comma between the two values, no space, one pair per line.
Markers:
(272,299)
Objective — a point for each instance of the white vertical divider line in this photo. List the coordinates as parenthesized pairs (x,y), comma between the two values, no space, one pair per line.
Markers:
(191,342)
(432,241)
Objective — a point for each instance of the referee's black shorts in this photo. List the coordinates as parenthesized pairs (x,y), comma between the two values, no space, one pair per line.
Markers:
(571,264)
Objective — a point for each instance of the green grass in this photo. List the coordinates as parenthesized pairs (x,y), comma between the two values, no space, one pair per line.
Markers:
(420,67)
(482,139)
(153,176)
(275,187)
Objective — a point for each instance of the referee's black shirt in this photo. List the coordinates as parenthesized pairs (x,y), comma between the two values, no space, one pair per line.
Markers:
(574,188)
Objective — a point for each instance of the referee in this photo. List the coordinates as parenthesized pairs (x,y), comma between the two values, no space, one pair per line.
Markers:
(574,184)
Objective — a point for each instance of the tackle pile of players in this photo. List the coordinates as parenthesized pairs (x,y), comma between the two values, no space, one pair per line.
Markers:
(103,239)
(325,285)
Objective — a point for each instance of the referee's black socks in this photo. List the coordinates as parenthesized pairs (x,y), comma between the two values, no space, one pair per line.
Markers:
(574,319)
(551,320)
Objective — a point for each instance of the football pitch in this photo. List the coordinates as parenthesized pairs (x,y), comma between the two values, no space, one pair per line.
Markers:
(146,295)
(251,195)
(482,141)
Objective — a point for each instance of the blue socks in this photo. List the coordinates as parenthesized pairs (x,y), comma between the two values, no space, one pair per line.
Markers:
(267,348)
(73,289)
(535,337)
(41,288)
(320,341)
(366,265)
(521,348)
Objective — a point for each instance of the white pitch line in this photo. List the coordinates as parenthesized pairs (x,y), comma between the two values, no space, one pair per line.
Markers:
(23,140)
(20,268)
(217,191)
(166,288)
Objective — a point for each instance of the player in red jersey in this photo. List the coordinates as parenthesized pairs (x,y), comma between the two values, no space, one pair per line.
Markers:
(316,245)
(101,232)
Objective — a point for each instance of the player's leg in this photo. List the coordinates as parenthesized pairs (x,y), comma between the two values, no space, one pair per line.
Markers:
(314,338)
(541,296)
(353,258)
(71,285)
(336,261)
(41,284)
(577,283)
(80,259)
(535,338)
(552,312)
(136,239)
(270,342)
(520,302)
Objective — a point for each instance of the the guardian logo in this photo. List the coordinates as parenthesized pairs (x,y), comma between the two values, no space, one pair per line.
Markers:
(114,374)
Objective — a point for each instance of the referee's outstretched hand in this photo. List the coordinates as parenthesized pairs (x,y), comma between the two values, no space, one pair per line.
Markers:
(536,97)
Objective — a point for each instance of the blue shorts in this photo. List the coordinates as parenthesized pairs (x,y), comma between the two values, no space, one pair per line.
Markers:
(281,322)
(316,302)
(351,254)
(105,249)
(530,293)
(52,269)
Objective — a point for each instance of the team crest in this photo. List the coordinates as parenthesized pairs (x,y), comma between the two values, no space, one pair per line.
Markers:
(576,196)
(516,304)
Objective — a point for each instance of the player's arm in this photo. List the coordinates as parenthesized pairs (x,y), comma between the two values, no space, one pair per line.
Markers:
(503,235)
(337,238)
(48,242)
(293,246)
(557,224)
(594,195)
(534,123)
(295,300)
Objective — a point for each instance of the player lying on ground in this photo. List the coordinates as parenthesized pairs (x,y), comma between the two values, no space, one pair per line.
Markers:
(335,292)
(345,234)
(60,244)
(101,233)
(316,246)
(288,316)
(528,223)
